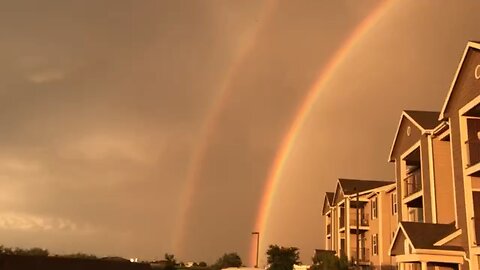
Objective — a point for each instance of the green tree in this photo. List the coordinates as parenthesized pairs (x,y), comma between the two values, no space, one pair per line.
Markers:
(170,262)
(227,260)
(282,258)
(328,261)
(202,264)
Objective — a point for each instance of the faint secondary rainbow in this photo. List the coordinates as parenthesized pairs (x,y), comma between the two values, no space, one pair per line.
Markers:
(211,123)
(302,113)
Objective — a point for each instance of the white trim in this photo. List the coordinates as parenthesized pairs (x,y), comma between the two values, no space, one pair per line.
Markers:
(380,226)
(432,180)
(439,251)
(470,44)
(390,189)
(453,178)
(347,226)
(393,240)
(404,114)
(472,169)
(441,129)
(409,241)
(429,258)
(448,238)
(443,135)
(422,169)
(395,139)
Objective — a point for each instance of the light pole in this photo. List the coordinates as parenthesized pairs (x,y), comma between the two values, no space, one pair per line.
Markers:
(258,243)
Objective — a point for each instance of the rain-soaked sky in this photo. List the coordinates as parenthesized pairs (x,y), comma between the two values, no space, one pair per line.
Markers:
(135,128)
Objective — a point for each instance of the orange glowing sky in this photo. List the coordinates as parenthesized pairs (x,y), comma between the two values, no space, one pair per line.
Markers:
(135,128)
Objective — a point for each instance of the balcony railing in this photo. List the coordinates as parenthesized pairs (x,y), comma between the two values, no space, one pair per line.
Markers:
(329,228)
(473,151)
(412,183)
(362,217)
(363,255)
(353,220)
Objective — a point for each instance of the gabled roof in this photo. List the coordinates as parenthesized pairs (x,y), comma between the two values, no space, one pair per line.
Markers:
(329,196)
(327,202)
(351,186)
(470,44)
(424,235)
(424,120)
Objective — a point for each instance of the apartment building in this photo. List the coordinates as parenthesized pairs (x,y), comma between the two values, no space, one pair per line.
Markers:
(426,211)
(461,111)
(357,226)
(434,217)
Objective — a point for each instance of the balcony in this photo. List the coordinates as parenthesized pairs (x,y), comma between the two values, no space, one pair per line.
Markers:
(363,256)
(412,183)
(329,229)
(363,218)
(472,151)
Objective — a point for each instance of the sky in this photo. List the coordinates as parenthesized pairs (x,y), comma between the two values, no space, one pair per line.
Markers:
(137,128)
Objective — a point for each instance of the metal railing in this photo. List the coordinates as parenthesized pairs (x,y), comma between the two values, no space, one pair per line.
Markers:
(412,183)
(473,151)
(362,217)
(363,255)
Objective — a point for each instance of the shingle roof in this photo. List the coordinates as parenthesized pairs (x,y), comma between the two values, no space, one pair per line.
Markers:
(329,196)
(425,235)
(426,119)
(350,186)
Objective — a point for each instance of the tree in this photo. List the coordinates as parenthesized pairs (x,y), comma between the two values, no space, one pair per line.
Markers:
(202,264)
(19,251)
(328,261)
(228,260)
(79,255)
(170,262)
(282,258)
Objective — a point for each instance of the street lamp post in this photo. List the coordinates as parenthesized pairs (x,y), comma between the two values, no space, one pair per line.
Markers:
(258,243)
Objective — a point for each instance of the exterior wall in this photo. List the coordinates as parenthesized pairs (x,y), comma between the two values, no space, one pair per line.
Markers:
(427,198)
(456,145)
(444,198)
(376,260)
(389,226)
(464,91)
(403,143)
(466,86)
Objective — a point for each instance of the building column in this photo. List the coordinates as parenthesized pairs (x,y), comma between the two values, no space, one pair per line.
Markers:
(401,266)
(347,229)
(424,265)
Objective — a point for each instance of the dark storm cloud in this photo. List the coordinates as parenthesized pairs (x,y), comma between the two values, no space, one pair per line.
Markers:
(99,105)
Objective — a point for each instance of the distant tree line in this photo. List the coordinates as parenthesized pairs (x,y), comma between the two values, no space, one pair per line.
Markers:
(36,251)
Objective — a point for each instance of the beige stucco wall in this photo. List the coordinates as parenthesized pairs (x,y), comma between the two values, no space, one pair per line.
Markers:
(374,229)
(444,199)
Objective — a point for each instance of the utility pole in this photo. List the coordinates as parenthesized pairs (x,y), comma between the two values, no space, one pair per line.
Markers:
(258,244)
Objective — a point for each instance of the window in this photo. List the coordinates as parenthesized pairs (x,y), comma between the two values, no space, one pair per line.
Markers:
(375,244)
(394,203)
(374,208)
